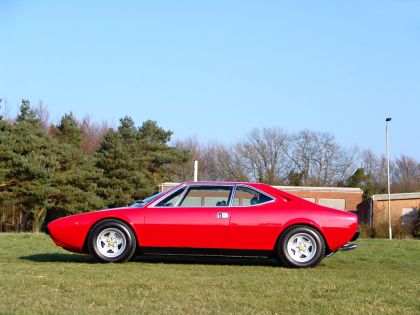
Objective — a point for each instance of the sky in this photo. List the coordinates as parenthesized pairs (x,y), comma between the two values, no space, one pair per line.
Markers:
(215,70)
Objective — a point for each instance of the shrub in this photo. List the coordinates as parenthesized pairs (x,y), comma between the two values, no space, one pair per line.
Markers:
(416,229)
(399,230)
(366,231)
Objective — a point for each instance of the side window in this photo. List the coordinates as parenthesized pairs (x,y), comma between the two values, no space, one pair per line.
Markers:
(172,199)
(245,196)
(207,196)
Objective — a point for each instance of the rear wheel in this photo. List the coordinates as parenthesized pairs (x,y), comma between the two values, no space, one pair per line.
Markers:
(112,241)
(301,246)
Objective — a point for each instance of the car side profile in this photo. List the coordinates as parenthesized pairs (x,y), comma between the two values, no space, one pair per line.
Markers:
(212,218)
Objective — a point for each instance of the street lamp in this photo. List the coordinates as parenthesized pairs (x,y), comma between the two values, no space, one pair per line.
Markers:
(389,194)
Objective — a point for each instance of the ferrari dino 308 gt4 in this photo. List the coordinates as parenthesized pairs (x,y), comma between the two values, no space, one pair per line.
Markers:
(212,218)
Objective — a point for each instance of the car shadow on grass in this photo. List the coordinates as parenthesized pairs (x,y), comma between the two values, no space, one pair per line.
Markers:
(59,257)
(161,259)
(205,260)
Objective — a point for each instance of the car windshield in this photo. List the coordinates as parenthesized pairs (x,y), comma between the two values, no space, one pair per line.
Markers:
(142,203)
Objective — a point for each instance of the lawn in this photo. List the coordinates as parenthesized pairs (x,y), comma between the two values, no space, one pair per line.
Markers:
(381,276)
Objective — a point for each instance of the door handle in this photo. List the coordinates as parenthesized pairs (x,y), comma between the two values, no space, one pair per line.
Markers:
(222,215)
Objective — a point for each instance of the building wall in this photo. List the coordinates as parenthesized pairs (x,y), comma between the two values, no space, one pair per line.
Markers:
(399,210)
(166,186)
(351,199)
(342,199)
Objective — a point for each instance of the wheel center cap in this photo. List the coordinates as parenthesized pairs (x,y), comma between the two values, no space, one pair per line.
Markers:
(301,247)
(111,242)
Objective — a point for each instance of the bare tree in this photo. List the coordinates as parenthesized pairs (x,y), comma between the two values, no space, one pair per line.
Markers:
(375,169)
(43,116)
(406,175)
(216,162)
(272,156)
(319,160)
(184,171)
(220,162)
(262,155)
(5,109)
(93,134)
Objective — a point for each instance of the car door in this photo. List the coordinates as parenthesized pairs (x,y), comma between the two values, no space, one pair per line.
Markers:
(255,220)
(196,216)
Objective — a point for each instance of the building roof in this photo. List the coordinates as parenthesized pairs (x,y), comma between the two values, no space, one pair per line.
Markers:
(320,189)
(168,184)
(401,196)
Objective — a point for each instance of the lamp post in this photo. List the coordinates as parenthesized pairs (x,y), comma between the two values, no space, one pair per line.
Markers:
(195,170)
(389,194)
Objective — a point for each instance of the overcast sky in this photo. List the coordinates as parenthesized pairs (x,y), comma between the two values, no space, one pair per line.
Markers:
(217,69)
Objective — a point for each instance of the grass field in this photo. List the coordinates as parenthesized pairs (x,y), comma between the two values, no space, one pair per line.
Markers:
(380,276)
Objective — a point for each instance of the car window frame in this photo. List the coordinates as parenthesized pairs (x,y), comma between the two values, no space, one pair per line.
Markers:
(207,185)
(273,199)
(187,188)
(173,192)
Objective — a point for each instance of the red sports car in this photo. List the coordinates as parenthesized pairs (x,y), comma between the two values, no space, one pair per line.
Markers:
(212,218)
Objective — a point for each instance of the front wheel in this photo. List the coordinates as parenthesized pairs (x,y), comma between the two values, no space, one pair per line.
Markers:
(112,241)
(301,246)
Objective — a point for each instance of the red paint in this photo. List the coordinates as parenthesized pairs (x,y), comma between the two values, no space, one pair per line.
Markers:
(254,227)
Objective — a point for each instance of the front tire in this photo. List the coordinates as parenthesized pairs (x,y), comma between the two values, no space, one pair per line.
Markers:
(112,241)
(300,247)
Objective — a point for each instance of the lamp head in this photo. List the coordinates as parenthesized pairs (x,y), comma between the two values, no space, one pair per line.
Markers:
(388,119)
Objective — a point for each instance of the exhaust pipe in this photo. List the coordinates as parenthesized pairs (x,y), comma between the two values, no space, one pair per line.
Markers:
(348,246)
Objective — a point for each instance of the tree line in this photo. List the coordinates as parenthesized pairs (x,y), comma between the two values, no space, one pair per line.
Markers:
(48,171)
(51,170)
(304,158)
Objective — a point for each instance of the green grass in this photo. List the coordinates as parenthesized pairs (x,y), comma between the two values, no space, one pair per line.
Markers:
(380,276)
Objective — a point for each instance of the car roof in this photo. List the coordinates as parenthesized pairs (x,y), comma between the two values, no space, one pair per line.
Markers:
(264,187)
(221,183)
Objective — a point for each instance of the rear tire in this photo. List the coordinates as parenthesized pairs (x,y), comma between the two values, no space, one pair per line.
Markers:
(301,246)
(112,241)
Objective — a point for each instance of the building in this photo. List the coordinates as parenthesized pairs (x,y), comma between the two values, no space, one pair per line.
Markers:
(374,210)
(342,198)
(166,186)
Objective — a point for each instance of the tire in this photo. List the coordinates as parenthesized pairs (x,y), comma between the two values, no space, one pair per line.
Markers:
(301,246)
(112,241)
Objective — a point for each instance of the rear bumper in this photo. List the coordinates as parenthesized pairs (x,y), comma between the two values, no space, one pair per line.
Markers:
(350,246)
(347,246)
(355,236)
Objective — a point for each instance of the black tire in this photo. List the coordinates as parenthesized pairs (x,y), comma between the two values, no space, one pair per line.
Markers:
(120,244)
(307,247)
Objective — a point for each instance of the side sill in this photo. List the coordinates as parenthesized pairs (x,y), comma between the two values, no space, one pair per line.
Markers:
(213,252)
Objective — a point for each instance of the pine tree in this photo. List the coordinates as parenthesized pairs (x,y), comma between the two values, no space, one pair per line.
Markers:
(45,175)
(27,113)
(29,168)
(134,160)
(68,130)
(77,176)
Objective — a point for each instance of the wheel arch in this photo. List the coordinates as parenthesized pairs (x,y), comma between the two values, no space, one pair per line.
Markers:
(308,224)
(85,243)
